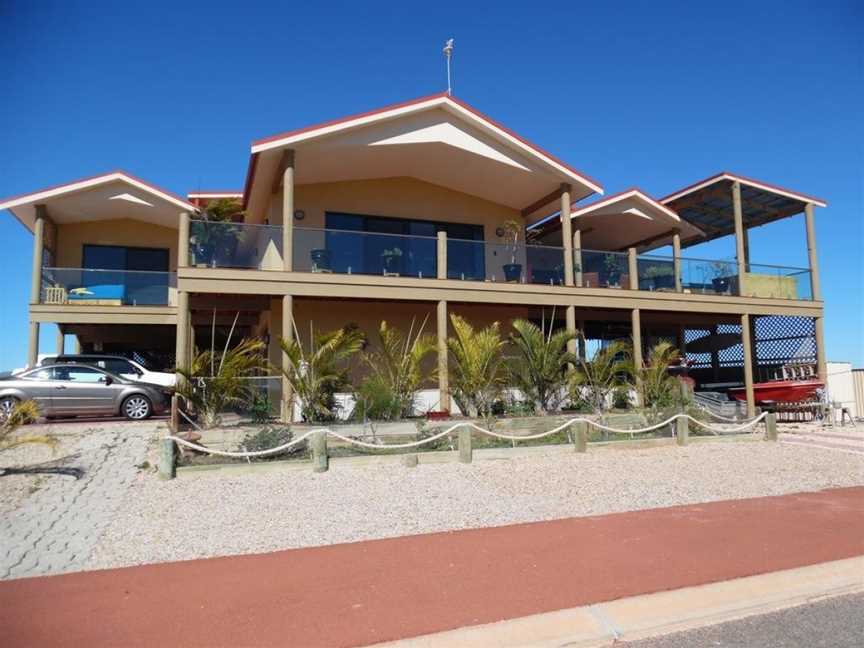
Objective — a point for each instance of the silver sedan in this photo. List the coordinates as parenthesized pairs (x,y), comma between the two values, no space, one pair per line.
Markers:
(81,390)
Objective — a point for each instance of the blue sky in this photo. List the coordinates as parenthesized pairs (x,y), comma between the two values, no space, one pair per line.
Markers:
(651,94)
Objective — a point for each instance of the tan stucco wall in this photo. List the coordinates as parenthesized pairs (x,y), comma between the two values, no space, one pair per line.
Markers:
(71,238)
(396,197)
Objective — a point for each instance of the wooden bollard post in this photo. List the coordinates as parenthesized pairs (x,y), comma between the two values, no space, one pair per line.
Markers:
(771,426)
(167,467)
(320,461)
(409,460)
(175,414)
(580,436)
(682,430)
(465,451)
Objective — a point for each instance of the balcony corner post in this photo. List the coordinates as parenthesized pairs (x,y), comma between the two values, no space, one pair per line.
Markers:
(740,252)
(288,212)
(567,234)
(577,257)
(676,259)
(183,241)
(810,224)
(38,250)
(633,268)
(442,255)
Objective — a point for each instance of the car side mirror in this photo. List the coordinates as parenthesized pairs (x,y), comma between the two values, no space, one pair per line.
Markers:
(106,380)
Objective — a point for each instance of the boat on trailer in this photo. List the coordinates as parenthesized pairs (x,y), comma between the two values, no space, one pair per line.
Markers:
(780,391)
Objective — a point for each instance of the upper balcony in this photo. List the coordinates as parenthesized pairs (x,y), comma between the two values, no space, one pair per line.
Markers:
(340,252)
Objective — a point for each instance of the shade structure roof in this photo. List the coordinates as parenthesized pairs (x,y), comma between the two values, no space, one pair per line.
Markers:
(708,205)
(630,218)
(437,139)
(108,196)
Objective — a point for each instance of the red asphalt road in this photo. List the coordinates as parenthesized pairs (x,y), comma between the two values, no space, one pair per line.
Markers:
(366,592)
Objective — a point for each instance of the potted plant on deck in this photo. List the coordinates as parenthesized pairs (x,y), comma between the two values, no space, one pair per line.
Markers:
(660,276)
(512,270)
(612,270)
(320,260)
(392,260)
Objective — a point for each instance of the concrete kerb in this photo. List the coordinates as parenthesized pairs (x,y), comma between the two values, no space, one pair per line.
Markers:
(660,613)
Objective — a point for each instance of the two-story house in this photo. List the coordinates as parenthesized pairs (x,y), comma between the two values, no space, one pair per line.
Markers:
(412,212)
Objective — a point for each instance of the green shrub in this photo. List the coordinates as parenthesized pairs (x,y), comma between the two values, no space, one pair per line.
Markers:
(272,437)
(621,397)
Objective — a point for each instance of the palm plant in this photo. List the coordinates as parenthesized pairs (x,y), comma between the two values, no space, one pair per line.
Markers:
(539,367)
(478,372)
(214,232)
(396,371)
(593,380)
(661,390)
(316,373)
(217,381)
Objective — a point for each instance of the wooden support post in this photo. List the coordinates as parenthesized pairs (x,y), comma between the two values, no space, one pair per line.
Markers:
(442,255)
(320,460)
(577,257)
(288,211)
(582,340)
(566,234)
(33,344)
(286,402)
(740,254)
(682,430)
(409,460)
(167,459)
(819,332)
(183,241)
(676,259)
(810,224)
(747,346)
(181,349)
(570,316)
(174,422)
(466,453)
(38,249)
(60,344)
(636,325)
(771,427)
(443,371)
(580,436)
(633,269)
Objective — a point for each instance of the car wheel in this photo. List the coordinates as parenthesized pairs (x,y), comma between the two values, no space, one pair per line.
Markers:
(7,404)
(136,407)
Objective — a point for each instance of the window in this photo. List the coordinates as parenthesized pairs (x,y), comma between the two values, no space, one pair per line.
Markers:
(399,245)
(118,366)
(39,374)
(148,284)
(79,374)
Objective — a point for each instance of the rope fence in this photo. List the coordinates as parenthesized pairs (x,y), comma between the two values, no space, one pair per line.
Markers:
(470,425)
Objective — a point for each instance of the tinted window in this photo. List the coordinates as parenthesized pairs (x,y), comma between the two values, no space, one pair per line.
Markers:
(78,374)
(117,366)
(39,374)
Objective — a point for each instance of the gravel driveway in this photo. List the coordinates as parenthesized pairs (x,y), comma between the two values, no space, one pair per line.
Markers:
(49,524)
(212,514)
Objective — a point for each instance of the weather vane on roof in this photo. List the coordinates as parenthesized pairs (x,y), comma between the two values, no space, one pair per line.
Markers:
(448,54)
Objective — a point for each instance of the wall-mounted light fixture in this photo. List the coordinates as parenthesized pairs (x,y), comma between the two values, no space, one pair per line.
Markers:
(299,214)
(499,232)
